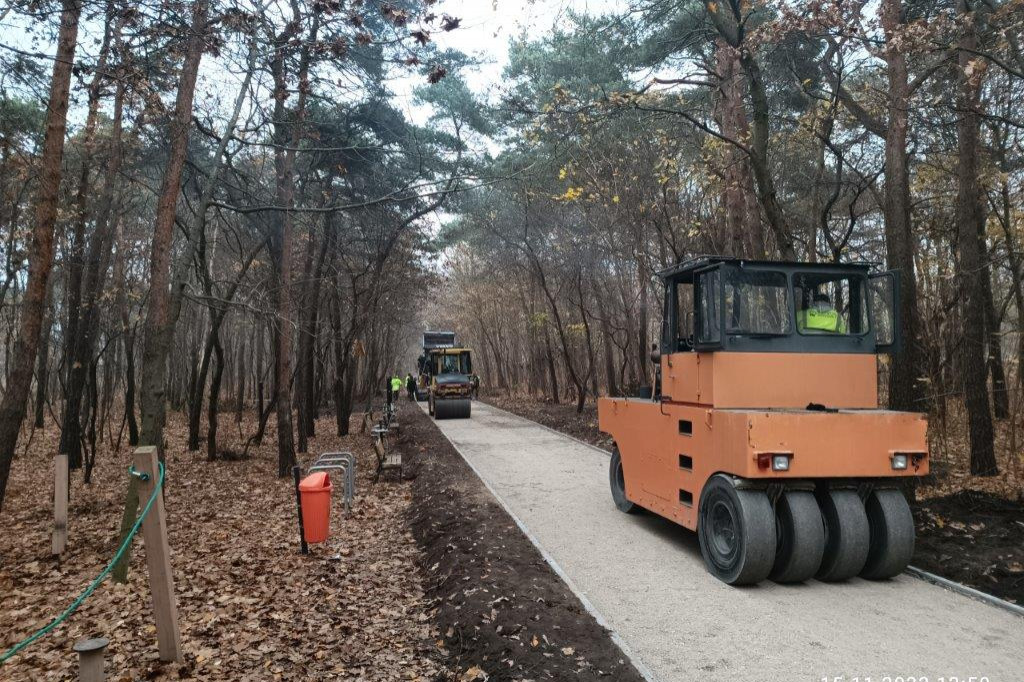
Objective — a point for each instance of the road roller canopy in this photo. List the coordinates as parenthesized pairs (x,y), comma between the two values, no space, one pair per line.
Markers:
(715,303)
(438,339)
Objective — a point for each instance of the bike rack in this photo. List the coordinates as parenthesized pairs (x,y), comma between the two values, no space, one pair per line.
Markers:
(339,461)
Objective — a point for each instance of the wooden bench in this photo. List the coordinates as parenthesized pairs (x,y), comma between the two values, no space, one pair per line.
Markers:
(386,461)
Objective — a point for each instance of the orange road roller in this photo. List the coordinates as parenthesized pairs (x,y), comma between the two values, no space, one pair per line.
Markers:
(763,432)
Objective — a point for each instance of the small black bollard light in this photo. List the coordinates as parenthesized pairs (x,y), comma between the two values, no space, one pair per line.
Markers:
(296,475)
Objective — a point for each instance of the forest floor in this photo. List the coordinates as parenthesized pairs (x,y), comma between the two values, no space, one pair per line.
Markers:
(970,529)
(250,606)
(426,579)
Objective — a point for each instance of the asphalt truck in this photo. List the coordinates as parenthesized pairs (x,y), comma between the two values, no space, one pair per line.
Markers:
(763,431)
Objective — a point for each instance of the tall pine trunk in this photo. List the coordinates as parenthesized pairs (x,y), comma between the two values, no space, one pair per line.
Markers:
(905,372)
(40,254)
(969,217)
(159,329)
(157,342)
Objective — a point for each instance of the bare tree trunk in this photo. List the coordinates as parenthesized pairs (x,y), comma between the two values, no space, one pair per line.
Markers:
(287,135)
(240,365)
(281,251)
(40,256)
(312,324)
(259,341)
(43,364)
(92,278)
(156,345)
(1017,274)
(993,322)
(75,366)
(341,359)
(727,18)
(905,370)
(214,402)
(609,358)
(969,218)
(552,372)
(643,340)
(308,305)
(742,214)
(159,317)
(127,338)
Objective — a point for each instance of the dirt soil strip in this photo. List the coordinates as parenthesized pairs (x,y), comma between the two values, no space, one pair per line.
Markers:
(502,612)
(645,575)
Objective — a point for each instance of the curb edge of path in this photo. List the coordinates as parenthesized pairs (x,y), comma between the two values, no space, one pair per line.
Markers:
(550,560)
(913,571)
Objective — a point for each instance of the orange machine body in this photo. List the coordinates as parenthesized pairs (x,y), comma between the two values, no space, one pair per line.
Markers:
(729,412)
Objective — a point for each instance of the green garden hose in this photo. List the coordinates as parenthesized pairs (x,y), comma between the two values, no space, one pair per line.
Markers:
(99,579)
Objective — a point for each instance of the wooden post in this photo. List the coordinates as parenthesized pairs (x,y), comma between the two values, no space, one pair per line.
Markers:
(90,659)
(158,557)
(60,504)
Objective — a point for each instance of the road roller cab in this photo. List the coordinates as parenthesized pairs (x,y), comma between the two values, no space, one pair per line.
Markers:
(432,341)
(764,432)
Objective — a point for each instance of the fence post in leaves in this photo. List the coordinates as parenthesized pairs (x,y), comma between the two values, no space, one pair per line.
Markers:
(158,556)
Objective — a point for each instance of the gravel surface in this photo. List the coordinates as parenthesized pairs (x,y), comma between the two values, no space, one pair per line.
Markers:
(645,577)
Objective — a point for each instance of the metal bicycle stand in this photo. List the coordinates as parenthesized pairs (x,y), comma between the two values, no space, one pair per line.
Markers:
(339,461)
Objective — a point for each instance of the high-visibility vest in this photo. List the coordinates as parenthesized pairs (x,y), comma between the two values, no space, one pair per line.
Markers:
(821,321)
(396,384)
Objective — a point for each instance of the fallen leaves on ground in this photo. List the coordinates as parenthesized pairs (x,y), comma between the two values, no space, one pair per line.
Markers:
(250,606)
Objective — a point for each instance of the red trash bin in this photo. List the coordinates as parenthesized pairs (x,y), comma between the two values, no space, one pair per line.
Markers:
(315,491)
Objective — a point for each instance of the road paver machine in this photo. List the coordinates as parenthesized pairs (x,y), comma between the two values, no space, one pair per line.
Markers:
(763,431)
(445,376)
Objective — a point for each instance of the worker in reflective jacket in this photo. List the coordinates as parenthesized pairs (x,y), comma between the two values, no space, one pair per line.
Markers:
(821,317)
(396,387)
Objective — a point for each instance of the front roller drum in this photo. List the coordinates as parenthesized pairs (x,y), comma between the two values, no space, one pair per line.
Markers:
(459,408)
(736,529)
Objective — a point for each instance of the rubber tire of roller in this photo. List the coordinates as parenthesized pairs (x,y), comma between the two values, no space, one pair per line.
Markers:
(617,482)
(754,523)
(892,534)
(800,537)
(847,535)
